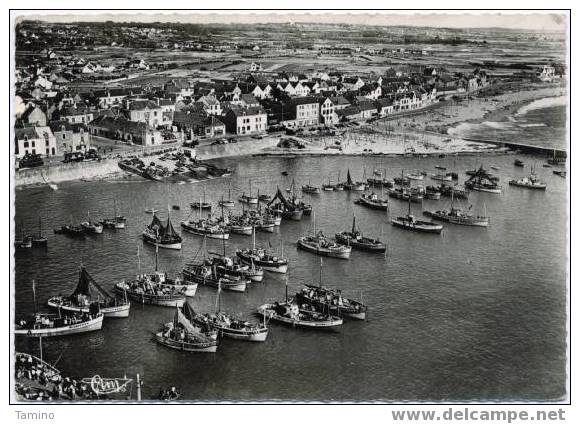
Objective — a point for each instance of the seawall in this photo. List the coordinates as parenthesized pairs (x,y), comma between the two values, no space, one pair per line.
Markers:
(66,172)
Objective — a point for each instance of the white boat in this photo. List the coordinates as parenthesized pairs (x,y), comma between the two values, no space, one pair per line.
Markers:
(320,245)
(531,182)
(289,313)
(414,176)
(92,227)
(50,325)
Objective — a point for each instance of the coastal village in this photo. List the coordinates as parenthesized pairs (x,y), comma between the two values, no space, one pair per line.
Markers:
(288,120)
(71,107)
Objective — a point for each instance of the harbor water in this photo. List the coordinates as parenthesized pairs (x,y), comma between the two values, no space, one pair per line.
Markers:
(473,313)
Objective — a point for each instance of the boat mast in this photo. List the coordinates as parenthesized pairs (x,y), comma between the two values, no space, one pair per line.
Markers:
(320,276)
(156,257)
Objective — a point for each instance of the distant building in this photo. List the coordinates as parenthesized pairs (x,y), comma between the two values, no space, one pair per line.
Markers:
(146,111)
(77,113)
(128,131)
(255,67)
(71,137)
(251,120)
(33,115)
(35,140)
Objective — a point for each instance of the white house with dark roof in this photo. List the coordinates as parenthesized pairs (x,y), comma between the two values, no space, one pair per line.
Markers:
(146,111)
(35,140)
(251,120)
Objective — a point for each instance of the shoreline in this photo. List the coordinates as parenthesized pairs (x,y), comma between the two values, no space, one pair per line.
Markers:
(405,136)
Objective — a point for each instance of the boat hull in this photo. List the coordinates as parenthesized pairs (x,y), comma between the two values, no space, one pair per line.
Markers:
(207,347)
(326,325)
(341,254)
(528,186)
(192,230)
(157,300)
(420,228)
(119,311)
(173,246)
(250,336)
(470,222)
(81,327)
(293,215)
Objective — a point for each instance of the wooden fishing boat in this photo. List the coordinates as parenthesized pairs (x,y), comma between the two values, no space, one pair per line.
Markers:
(208,276)
(373,201)
(237,329)
(288,208)
(331,301)
(456,216)
(160,235)
(532,182)
(441,177)
(310,189)
(431,193)
(519,163)
(182,334)
(409,222)
(320,245)
(405,194)
(414,176)
(288,312)
(148,293)
(205,227)
(351,185)
(70,230)
(38,240)
(82,298)
(51,325)
(228,267)
(91,227)
(355,239)
(151,210)
(200,205)
(483,181)
(560,173)
(117,222)
(259,257)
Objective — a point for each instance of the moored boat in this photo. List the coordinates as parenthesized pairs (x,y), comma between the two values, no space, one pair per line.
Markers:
(310,189)
(160,235)
(50,325)
(182,334)
(531,182)
(481,180)
(458,217)
(70,230)
(260,257)
(289,313)
(208,276)
(355,239)
(373,201)
(408,222)
(81,299)
(331,301)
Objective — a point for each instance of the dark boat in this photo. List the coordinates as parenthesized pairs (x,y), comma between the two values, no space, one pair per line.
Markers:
(482,180)
(355,239)
(351,185)
(161,235)
(409,222)
(332,301)
(70,230)
(208,276)
(405,194)
(288,208)
(83,297)
(560,173)
(519,163)
(183,334)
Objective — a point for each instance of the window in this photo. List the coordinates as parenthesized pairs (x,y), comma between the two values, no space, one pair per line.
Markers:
(33,144)
(47,151)
(53,153)
(63,136)
(26,143)
(33,151)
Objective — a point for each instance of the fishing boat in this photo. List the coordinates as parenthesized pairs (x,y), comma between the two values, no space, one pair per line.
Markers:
(331,301)
(160,235)
(229,267)
(38,240)
(483,181)
(249,199)
(495,168)
(355,239)
(531,182)
(310,189)
(199,204)
(50,325)
(329,186)
(208,276)
(442,168)
(519,163)
(205,227)
(288,312)
(441,177)
(91,227)
(229,203)
(456,192)
(147,291)
(151,210)
(456,216)
(409,222)
(557,160)
(237,224)
(373,201)
(117,222)
(351,185)
(182,334)
(417,176)
(287,208)
(560,173)
(259,257)
(405,194)
(264,198)
(23,243)
(81,299)
(70,230)
(320,245)
(431,193)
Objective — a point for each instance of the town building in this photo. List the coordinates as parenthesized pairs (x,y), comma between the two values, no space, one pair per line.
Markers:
(71,137)
(251,120)
(35,140)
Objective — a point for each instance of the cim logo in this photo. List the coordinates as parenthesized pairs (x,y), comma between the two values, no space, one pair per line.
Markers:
(104,386)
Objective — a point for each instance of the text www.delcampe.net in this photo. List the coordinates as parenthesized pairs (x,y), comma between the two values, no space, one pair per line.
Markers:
(469,414)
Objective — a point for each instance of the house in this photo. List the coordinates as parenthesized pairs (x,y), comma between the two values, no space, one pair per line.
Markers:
(255,67)
(33,115)
(306,110)
(43,83)
(327,113)
(301,90)
(367,109)
(340,102)
(350,113)
(385,106)
(199,124)
(248,120)
(35,140)
(248,100)
(211,105)
(262,91)
(146,111)
(119,128)
(77,113)
(371,91)
(71,137)
(352,83)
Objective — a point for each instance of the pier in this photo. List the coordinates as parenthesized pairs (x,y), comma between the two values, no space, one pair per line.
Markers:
(527,148)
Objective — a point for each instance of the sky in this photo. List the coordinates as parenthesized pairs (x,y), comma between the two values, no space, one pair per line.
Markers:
(555,21)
